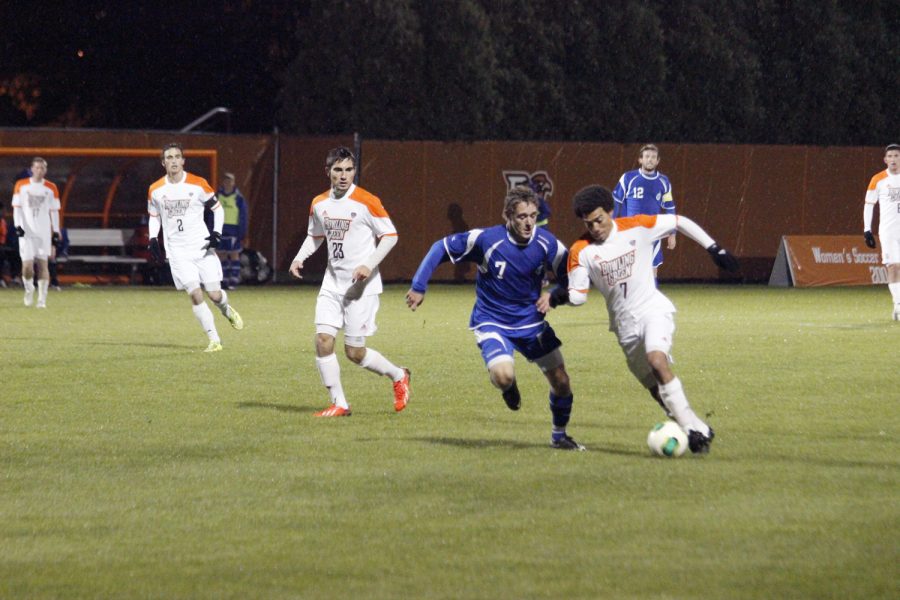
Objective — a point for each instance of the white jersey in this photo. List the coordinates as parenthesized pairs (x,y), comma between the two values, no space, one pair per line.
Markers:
(179,207)
(351,226)
(36,202)
(884,189)
(621,268)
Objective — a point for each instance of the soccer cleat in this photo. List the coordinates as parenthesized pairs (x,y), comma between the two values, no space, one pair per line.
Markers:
(213,346)
(512,397)
(42,304)
(699,443)
(401,391)
(333,411)
(564,442)
(897,312)
(235,319)
(29,297)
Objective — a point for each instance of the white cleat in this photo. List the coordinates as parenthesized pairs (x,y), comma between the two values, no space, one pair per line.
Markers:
(29,297)
(42,304)
(897,313)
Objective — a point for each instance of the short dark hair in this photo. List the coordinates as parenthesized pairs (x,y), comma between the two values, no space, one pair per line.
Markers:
(590,198)
(338,154)
(648,147)
(517,195)
(891,147)
(169,146)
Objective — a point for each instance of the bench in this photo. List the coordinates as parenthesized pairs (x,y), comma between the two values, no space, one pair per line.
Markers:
(109,248)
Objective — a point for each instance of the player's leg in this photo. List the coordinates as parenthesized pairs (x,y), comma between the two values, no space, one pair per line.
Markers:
(890,255)
(497,353)
(27,252)
(43,283)
(329,320)
(658,332)
(186,276)
(359,323)
(211,276)
(544,351)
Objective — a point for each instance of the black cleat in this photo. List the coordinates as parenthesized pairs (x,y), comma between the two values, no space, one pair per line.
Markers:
(699,443)
(566,443)
(512,397)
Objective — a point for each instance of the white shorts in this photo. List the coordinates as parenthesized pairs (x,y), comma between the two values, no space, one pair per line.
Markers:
(636,338)
(189,273)
(356,317)
(890,248)
(34,248)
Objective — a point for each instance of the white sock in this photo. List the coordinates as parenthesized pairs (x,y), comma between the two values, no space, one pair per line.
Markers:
(673,397)
(377,363)
(222,305)
(42,290)
(29,286)
(205,316)
(895,291)
(330,372)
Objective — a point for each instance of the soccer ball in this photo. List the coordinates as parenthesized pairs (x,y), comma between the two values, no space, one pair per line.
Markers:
(667,439)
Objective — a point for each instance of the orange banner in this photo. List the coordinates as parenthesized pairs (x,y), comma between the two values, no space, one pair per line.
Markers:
(817,260)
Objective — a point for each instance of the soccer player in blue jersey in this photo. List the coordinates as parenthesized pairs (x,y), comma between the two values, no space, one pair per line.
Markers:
(509,305)
(646,191)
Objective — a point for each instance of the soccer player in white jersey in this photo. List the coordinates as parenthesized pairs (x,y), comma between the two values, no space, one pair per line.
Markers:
(359,234)
(176,203)
(36,219)
(616,256)
(884,190)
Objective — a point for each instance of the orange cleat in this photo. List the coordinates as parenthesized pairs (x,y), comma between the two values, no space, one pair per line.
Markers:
(333,411)
(401,391)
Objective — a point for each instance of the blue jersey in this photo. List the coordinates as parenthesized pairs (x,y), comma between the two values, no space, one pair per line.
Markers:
(640,194)
(509,277)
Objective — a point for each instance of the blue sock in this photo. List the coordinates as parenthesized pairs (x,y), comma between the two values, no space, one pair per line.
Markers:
(561,409)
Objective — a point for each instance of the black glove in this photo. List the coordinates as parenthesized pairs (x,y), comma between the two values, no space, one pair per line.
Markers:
(870,239)
(55,240)
(723,258)
(155,252)
(215,238)
(19,231)
(559,295)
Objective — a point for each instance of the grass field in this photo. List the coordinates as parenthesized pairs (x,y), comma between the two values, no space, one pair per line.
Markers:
(132,465)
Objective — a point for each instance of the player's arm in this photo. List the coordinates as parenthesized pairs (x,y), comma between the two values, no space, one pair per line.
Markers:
(215,236)
(18,220)
(153,227)
(436,255)
(307,249)
(868,213)
(385,244)
(559,294)
(720,256)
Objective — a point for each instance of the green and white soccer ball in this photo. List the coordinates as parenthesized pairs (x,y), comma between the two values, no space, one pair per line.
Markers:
(667,439)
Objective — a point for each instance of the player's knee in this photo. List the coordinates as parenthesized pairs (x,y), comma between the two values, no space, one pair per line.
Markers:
(659,365)
(559,381)
(503,377)
(324,344)
(355,353)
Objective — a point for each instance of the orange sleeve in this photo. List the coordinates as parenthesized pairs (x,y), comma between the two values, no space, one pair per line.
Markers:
(53,188)
(316,200)
(371,201)
(647,221)
(875,179)
(200,182)
(574,254)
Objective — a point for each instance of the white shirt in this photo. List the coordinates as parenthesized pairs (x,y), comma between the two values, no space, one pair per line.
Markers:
(884,189)
(351,225)
(179,207)
(621,268)
(38,205)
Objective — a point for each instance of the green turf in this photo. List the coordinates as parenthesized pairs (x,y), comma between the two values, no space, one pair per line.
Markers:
(133,465)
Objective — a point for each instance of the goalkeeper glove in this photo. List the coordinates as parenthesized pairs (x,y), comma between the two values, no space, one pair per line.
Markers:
(155,251)
(19,231)
(870,239)
(54,239)
(215,238)
(723,258)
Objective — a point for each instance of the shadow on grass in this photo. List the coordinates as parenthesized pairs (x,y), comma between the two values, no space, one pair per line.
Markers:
(194,347)
(476,444)
(289,408)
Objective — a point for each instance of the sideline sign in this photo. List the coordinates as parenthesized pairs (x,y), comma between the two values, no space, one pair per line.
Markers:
(818,260)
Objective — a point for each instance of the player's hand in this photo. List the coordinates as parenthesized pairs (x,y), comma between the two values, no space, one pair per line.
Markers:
(155,251)
(870,239)
(214,239)
(295,269)
(723,258)
(414,299)
(543,303)
(361,273)
(19,231)
(55,240)
(671,242)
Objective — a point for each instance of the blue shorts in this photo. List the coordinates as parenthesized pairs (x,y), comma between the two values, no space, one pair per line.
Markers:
(229,244)
(496,342)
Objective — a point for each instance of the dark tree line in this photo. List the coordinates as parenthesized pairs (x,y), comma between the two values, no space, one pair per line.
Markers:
(750,71)
(759,71)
